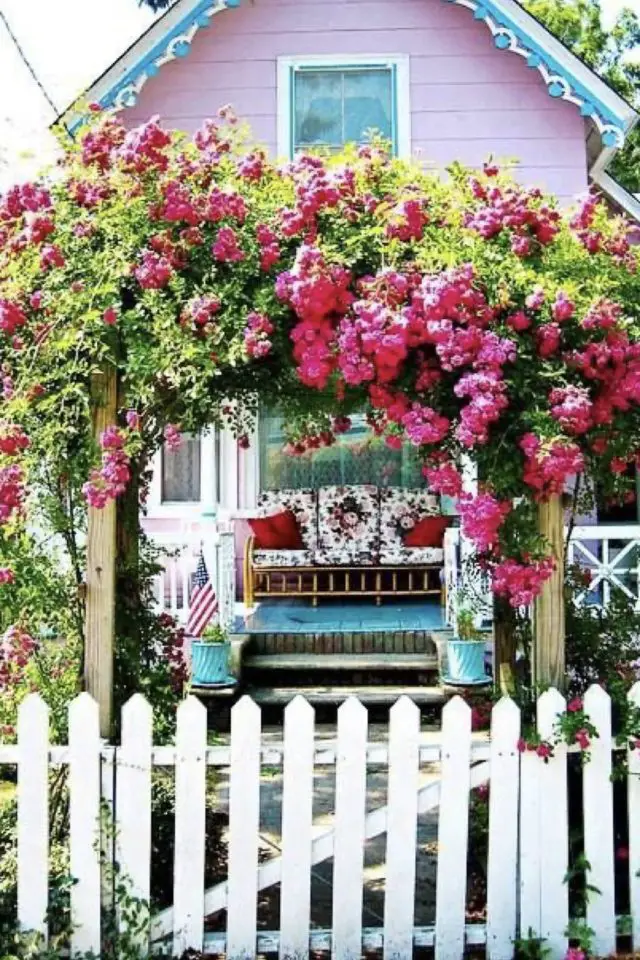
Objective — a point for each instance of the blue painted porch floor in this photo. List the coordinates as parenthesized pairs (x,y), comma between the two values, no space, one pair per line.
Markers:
(291,616)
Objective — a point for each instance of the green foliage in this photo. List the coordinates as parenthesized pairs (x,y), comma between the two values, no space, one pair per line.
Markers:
(531,947)
(214,633)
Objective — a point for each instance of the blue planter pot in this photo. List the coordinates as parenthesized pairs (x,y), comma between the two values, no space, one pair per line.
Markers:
(466,660)
(209,662)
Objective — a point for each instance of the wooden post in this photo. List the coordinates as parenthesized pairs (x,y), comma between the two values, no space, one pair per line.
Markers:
(504,645)
(548,653)
(101,569)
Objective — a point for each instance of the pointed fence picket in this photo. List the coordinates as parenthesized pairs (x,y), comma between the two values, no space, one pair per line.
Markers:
(554,829)
(528,827)
(633,804)
(502,858)
(244,823)
(453,829)
(349,832)
(402,825)
(84,824)
(297,825)
(188,870)
(33,815)
(133,813)
(597,808)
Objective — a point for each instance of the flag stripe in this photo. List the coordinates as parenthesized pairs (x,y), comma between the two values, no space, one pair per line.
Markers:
(203,603)
(201,616)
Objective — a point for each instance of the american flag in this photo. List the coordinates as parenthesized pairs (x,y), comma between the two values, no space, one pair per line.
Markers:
(203,601)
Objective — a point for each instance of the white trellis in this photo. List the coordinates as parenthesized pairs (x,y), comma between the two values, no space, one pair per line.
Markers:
(528,827)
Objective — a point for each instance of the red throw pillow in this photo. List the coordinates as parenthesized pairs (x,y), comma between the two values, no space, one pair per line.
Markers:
(278,532)
(428,532)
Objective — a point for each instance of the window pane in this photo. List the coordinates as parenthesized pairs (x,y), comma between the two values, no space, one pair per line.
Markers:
(181,471)
(318,107)
(333,107)
(367,104)
(357,457)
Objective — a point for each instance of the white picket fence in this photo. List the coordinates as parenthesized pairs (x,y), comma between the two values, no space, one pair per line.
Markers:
(528,827)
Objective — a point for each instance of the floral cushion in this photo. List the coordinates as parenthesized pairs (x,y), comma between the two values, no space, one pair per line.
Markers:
(282,558)
(400,510)
(348,521)
(408,556)
(348,555)
(302,504)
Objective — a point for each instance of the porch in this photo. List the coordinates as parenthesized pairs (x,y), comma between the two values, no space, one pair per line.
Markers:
(339,647)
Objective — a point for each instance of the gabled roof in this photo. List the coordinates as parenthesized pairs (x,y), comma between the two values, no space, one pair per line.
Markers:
(513,29)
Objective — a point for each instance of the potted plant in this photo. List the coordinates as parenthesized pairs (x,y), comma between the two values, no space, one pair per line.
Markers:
(465,651)
(210,657)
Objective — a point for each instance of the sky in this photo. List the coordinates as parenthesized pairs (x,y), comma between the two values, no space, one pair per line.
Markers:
(69,43)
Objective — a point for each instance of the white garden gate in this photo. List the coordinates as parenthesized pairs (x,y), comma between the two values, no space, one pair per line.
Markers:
(528,827)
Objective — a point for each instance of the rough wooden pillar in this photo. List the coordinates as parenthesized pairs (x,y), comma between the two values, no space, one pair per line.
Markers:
(504,641)
(549,614)
(101,570)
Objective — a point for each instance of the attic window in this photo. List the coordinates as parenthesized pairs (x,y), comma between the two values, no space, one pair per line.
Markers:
(325,104)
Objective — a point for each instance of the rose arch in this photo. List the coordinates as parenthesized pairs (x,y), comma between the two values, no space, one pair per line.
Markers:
(155,285)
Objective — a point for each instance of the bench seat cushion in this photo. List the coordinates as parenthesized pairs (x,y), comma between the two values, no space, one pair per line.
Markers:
(411,556)
(282,558)
(346,556)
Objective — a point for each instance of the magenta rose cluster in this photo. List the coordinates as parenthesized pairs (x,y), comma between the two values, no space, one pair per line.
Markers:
(112,478)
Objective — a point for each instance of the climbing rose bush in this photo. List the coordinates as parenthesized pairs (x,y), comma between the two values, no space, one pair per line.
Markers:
(467,318)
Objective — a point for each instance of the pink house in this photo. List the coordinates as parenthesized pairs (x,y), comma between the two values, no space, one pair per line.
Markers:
(444,80)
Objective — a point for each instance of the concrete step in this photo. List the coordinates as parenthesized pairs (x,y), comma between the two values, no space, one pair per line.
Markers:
(370,696)
(342,661)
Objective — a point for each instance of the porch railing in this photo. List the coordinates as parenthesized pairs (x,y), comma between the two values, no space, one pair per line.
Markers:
(179,554)
(609,554)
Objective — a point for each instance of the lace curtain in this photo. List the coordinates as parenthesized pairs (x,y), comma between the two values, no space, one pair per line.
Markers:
(181,472)
(357,457)
(333,107)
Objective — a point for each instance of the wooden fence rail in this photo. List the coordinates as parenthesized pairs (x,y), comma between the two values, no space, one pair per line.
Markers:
(528,847)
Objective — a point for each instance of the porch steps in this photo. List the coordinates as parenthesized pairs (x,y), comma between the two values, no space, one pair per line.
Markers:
(327,668)
(342,661)
(349,643)
(378,696)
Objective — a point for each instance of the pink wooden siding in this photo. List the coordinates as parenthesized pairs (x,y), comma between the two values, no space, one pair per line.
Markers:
(468,99)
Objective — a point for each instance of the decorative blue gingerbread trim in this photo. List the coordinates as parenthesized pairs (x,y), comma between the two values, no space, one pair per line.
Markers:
(175,43)
(560,82)
(507,33)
